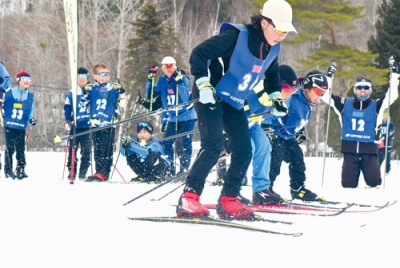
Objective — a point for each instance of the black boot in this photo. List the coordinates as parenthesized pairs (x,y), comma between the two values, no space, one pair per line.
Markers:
(21,173)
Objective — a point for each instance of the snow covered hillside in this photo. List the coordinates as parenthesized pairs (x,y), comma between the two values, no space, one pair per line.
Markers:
(46,222)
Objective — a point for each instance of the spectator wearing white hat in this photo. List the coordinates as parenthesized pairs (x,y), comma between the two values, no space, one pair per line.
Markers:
(248,54)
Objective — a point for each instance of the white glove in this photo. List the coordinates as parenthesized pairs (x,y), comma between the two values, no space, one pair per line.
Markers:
(68,126)
(125,140)
(206,90)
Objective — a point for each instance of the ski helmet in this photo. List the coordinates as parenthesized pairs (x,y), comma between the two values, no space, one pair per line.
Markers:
(168,62)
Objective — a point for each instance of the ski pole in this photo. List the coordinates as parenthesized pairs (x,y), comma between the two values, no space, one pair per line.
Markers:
(119,151)
(171,108)
(115,168)
(152,93)
(65,160)
(392,63)
(72,169)
(149,191)
(109,142)
(327,125)
(170,192)
(28,135)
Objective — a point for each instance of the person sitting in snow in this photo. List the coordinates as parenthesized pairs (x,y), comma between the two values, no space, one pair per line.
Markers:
(144,154)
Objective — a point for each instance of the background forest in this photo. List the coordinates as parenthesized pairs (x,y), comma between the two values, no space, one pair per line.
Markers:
(132,35)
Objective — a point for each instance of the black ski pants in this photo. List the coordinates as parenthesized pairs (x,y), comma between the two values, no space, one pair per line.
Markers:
(85,144)
(290,152)
(103,143)
(212,120)
(354,164)
(15,142)
(151,169)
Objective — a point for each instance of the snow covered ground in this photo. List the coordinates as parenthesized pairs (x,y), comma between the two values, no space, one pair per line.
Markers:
(46,222)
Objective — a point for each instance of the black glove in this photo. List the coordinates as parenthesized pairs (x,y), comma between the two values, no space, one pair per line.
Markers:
(125,140)
(267,128)
(139,98)
(117,86)
(279,105)
(300,136)
(33,121)
(164,127)
(331,70)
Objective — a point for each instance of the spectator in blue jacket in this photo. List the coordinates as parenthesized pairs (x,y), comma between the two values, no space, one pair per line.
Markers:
(82,125)
(173,88)
(5,80)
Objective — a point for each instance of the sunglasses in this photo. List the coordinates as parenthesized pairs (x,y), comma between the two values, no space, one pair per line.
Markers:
(362,87)
(288,88)
(25,78)
(168,66)
(144,125)
(318,90)
(83,76)
(104,74)
(276,29)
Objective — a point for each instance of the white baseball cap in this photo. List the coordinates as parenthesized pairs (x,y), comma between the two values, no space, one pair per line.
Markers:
(280,12)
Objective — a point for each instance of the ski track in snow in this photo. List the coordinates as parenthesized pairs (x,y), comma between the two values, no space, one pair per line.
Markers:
(46,222)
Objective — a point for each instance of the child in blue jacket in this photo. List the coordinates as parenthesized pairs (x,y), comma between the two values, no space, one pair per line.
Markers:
(144,154)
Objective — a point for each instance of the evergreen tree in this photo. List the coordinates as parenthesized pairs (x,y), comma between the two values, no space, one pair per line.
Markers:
(387,40)
(143,50)
(155,39)
(170,45)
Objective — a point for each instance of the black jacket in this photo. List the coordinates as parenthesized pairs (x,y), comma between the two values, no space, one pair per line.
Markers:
(223,45)
(352,146)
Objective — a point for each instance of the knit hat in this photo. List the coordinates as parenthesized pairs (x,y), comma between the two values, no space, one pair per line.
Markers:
(288,76)
(83,71)
(280,12)
(144,125)
(22,74)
